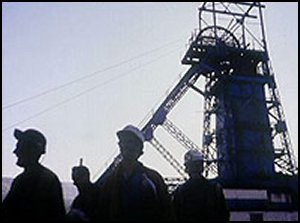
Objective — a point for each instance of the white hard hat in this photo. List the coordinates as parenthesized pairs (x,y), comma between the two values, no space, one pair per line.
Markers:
(130,128)
(193,155)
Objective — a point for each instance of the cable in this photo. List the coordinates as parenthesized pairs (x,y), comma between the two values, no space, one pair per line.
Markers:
(86,91)
(87,76)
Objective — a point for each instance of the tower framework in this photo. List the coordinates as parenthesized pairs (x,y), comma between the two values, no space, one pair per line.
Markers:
(245,135)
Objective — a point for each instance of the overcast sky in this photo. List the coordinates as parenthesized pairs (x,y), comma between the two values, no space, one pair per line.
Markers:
(136,49)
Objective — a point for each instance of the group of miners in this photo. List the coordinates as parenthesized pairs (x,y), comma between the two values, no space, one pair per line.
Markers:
(131,192)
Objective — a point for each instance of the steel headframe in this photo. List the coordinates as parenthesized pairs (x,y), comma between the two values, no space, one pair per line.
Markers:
(239,18)
(234,23)
(245,22)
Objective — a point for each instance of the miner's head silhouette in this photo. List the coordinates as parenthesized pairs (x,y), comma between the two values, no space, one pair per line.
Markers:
(80,176)
(30,146)
(131,143)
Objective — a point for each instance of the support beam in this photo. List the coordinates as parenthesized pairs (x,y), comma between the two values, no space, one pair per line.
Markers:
(197,89)
(253,4)
(229,13)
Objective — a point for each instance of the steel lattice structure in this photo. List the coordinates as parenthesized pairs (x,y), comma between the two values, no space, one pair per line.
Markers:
(231,53)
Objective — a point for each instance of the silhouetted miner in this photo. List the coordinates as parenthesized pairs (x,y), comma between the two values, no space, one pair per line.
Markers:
(134,192)
(84,205)
(35,194)
(199,199)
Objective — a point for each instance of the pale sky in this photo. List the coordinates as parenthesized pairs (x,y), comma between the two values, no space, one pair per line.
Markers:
(138,48)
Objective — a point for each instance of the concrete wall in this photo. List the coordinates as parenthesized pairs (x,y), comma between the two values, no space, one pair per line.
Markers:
(267,216)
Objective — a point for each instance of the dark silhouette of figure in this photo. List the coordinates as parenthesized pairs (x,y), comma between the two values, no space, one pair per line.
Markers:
(84,205)
(35,194)
(199,199)
(134,192)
